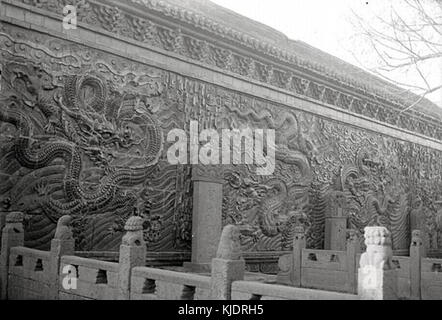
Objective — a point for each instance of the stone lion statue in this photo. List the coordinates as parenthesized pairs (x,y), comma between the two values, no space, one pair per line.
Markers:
(379,252)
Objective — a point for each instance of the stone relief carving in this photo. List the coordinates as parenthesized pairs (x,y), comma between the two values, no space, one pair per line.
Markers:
(265,208)
(81,134)
(379,105)
(82,137)
(424,176)
(83,119)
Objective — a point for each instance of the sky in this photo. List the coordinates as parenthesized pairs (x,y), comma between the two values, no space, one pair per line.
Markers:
(324,24)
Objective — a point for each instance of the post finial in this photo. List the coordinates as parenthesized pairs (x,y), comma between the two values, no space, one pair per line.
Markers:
(229,247)
(14,217)
(64,231)
(379,252)
(416,239)
(352,235)
(134,231)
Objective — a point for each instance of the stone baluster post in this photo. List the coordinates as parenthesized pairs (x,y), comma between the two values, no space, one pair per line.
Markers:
(353,249)
(12,236)
(132,254)
(418,222)
(228,266)
(377,277)
(298,246)
(416,254)
(335,222)
(63,244)
(290,264)
(4,211)
(3,215)
(206,216)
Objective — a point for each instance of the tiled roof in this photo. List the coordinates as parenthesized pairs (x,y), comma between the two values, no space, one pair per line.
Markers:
(320,61)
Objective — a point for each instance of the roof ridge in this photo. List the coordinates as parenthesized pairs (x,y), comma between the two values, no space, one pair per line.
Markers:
(287,54)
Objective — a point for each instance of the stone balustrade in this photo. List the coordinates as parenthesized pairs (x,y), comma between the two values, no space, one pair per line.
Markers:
(59,274)
(430,279)
(95,279)
(28,274)
(12,236)
(158,284)
(320,269)
(249,290)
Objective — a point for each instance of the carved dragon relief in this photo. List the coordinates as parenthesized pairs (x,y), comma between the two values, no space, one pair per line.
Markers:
(82,121)
(73,134)
(327,157)
(367,173)
(86,144)
(426,181)
(123,23)
(266,208)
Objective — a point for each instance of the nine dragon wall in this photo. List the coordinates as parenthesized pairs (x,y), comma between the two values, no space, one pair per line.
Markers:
(384,180)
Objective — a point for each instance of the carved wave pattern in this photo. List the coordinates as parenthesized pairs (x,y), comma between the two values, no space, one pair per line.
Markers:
(118,20)
(97,148)
(313,159)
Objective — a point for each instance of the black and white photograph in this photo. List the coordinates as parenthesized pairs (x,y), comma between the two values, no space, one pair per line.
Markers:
(224,151)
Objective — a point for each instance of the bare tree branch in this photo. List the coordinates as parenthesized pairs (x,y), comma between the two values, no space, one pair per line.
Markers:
(406,40)
(420,98)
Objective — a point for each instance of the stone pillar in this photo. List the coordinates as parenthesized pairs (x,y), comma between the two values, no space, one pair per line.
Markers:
(206,217)
(335,222)
(3,215)
(417,222)
(132,254)
(353,249)
(63,244)
(437,237)
(416,255)
(228,266)
(290,264)
(5,205)
(377,277)
(12,236)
